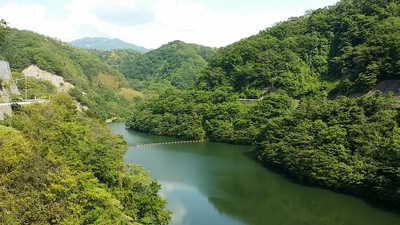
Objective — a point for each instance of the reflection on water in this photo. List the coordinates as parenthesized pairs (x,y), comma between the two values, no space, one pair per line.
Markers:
(192,207)
(214,183)
(176,206)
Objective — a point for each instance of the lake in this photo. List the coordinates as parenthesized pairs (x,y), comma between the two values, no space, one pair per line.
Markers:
(213,183)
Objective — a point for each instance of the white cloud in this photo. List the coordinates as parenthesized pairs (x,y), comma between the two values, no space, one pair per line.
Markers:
(149,23)
(22,15)
(80,15)
(181,16)
(124,13)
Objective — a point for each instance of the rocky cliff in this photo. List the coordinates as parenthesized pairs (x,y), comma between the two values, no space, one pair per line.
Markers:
(8,87)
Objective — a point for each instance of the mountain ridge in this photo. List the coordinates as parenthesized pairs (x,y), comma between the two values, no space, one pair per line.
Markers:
(105,43)
(176,62)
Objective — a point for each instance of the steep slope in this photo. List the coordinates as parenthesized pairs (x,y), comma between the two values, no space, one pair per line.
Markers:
(8,87)
(176,62)
(96,83)
(58,81)
(341,49)
(119,59)
(60,166)
(104,43)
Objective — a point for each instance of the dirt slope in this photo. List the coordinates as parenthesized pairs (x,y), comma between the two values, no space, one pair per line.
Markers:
(58,81)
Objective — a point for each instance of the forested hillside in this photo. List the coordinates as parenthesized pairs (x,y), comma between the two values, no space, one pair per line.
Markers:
(344,48)
(176,63)
(97,85)
(119,59)
(297,69)
(60,166)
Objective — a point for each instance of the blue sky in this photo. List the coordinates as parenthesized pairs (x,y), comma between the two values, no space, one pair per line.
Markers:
(151,23)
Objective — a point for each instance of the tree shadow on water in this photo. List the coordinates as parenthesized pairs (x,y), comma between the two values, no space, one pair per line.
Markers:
(373,202)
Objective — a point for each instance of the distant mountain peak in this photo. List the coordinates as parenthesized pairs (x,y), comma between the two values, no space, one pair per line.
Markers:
(105,43)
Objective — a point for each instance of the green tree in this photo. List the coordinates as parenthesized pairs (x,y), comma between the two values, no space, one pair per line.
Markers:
(3,31)
(59,166)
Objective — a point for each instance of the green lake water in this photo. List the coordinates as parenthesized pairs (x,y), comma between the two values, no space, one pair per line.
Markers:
(212,183)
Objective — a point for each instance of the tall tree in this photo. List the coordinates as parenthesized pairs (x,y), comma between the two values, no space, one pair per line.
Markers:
(3,30)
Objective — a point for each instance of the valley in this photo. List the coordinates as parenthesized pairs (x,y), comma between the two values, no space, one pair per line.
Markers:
(314,98)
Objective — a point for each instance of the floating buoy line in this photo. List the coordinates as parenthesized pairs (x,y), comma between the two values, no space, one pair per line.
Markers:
(168,143)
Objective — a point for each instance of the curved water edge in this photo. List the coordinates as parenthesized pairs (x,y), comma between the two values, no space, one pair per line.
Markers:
(214,183)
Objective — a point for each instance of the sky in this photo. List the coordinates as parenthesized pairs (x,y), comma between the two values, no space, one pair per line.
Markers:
(152,23)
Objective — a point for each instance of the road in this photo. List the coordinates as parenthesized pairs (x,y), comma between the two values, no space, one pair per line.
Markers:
(24,103)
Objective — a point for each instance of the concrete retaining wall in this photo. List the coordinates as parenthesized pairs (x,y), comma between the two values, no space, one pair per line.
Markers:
(5,110)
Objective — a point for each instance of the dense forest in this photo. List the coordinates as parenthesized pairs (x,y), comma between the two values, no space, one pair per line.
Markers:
(61,166)
(304,75)
(174,64)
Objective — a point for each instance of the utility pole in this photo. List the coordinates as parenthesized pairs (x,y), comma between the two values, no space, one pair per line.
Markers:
(26,88)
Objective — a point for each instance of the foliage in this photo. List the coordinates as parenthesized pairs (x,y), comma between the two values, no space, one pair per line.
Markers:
(130,93)
(286,57)
(354,42)
(290,71)
(177,62)
(106,80)
(3,31)
(36,88)
(80,67)
(119,59)
(346,144)
(58,166)
(215,115)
